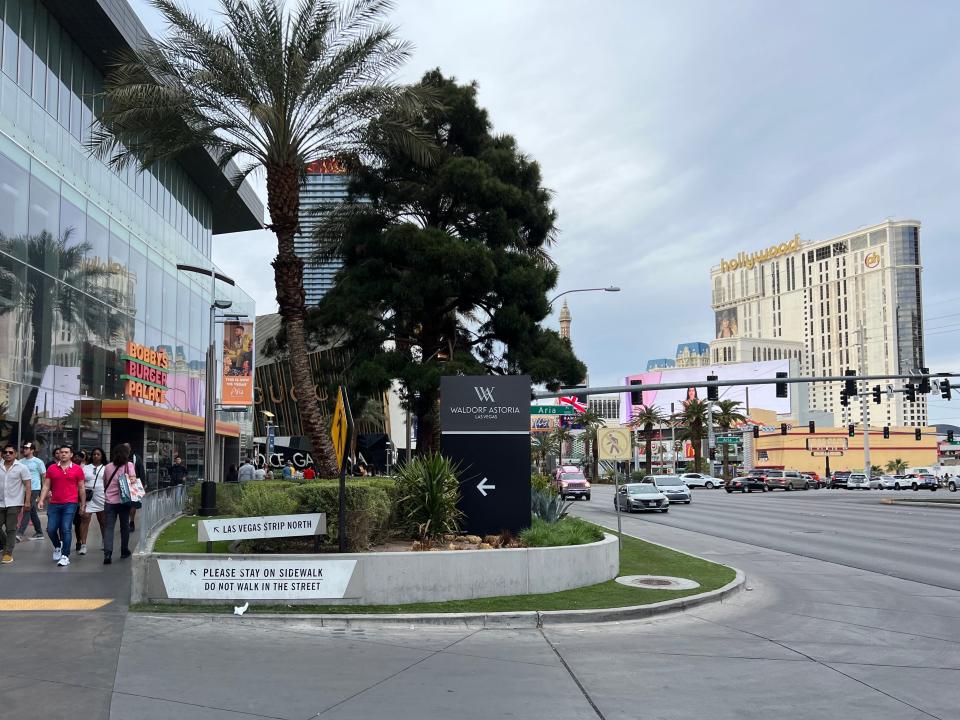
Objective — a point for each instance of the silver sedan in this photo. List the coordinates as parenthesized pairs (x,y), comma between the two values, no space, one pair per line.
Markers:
(641,496)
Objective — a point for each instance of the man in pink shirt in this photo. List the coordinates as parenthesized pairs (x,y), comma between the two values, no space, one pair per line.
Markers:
(63,484)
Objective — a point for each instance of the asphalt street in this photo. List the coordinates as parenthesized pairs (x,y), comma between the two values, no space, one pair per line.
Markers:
(833,626)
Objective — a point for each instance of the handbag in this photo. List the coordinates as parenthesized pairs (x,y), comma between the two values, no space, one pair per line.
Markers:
(130,493)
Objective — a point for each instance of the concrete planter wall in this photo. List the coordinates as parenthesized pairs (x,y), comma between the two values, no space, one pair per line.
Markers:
(408,577)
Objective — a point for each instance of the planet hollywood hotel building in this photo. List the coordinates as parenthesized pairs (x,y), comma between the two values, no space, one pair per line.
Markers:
(809,301)
(102,340)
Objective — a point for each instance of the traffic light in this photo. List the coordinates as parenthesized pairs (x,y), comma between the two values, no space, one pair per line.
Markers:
(783,428)
(781,387)
(911,392)
(636,396)
(949,436)
(756,431)
(945,388)
(886,432)
(812,427)
(851,430)
(877,392)
(924,387)
(712,393)
(916,434)
(850,386)
(844,400)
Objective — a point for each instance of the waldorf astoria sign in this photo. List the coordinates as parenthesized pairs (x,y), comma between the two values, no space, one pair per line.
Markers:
(485,431)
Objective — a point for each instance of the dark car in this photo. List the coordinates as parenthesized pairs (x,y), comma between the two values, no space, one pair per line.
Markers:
(839,479)
(746,484)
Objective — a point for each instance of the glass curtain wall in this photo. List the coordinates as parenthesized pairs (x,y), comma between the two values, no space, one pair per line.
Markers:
(87,255)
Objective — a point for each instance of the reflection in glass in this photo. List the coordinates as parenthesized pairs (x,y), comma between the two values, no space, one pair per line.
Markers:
(51,310)
(9,413)
(14,184)
(44,217)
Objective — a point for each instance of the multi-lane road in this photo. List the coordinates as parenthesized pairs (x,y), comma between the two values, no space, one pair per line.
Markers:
(847,527)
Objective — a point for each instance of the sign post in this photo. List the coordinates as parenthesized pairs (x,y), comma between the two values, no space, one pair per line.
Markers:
(341,432)
(613,443)
(485,431)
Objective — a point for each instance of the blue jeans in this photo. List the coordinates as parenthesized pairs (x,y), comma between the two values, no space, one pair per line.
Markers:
(60,524)
(33,515)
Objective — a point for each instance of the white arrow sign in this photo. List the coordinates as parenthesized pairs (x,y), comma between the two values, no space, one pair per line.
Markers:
(483,487)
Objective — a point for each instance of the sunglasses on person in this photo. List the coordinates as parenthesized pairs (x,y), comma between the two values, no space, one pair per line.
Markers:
(9,452)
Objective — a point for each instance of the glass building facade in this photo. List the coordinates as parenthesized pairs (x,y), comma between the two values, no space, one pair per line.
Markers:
(326,185)
(88,255)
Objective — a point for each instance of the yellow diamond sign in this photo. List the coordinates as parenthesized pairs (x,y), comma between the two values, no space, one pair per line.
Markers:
(340,427)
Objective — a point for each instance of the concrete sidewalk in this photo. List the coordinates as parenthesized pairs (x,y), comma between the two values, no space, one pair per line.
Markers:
(61,662)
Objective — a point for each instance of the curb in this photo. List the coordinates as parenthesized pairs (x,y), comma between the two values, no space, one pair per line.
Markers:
(952,504)
(528,619)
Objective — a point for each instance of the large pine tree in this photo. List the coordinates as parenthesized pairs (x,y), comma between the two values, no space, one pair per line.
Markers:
(445,264)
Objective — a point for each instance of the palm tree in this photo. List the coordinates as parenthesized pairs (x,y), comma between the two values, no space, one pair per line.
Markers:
(693,426)
(646,420)
(591,421)
(542,446)
(563,436)
(726,417)
(38,309)
(897,467)
(274,91)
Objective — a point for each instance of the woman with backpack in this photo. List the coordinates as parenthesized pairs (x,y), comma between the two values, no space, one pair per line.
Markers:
(115,508)
(93,486)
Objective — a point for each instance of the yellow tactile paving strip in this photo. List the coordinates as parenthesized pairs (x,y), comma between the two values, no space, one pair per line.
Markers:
(45,604)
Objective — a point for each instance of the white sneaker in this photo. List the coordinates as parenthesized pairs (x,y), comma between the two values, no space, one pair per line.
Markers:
(63,561)
(58,552)
(82,550)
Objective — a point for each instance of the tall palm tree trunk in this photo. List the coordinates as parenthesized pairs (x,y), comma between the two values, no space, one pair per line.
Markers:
(283,200)
(649,458)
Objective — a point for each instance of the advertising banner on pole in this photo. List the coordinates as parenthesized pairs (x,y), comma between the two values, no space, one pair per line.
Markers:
(236,386)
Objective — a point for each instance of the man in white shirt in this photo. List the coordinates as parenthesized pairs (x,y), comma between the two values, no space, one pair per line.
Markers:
(14,498)
(247,471)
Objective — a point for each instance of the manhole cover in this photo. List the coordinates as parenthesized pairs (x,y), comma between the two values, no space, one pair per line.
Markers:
(659,582)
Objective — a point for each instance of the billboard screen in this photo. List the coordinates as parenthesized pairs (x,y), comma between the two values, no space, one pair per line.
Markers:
(236,387)
(726,321)
(761,396)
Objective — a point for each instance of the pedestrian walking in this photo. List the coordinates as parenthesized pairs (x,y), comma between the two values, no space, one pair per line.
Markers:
(119,465)
(93,482)
(63,485)
(178,471)
(14,498)
(260,473)
(36,468)
(141,473)
(309,473)
(233,474)
(247,471)
(80,458)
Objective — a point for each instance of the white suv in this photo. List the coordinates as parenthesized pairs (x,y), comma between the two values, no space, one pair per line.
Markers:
(701,480)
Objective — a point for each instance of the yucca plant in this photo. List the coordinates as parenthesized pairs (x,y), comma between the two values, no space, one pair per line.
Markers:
(428,493)
(547,505)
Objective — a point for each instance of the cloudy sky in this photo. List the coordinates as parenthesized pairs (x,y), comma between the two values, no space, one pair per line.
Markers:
(674,133)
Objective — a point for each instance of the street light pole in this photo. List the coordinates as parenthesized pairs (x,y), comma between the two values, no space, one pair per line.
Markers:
(612,288)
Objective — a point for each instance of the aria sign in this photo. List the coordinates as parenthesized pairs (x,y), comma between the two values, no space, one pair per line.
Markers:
(146,373)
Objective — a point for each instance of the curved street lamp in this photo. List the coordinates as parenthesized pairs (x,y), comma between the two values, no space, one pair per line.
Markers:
(612,288)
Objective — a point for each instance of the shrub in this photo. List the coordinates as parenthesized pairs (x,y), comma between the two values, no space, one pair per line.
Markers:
(260,499)
(368,508)
(227,496)
(547,505)
(540,482)
(638,476)
(427,495)
(568,531)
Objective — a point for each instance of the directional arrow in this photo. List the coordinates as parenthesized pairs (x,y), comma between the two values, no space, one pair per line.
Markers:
(193,572)
(216,529)
(483,487)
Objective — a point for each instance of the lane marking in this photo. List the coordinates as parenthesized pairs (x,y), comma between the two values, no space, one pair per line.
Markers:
(48,604)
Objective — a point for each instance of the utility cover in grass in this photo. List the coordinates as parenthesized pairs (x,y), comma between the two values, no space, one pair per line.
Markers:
(659,582)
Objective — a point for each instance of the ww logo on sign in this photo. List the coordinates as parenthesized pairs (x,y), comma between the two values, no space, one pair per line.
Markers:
(484,393)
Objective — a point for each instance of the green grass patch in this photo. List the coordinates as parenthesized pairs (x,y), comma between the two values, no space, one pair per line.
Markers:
(568,531)
(636,558)
(180,536)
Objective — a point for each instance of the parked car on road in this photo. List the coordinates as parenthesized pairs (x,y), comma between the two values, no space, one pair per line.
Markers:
(839,479)
(672,486)
(924,482)
(641,496)
(785,480)
(889,482)
(746,484)
(700,480)
(858,481)
(952,484)
(569,482)
(813,479)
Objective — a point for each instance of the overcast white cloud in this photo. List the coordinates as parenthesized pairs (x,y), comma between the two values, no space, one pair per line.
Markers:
(676,133)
